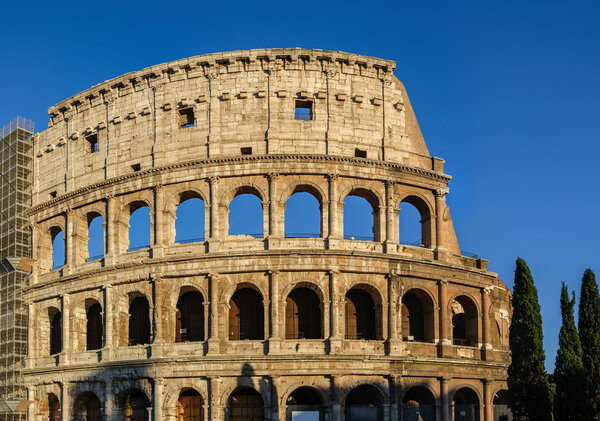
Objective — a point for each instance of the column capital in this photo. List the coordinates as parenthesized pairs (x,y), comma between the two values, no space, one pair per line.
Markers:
(441,193)
(212,179)
(487,290)
(272,176)
(332,176)
(213,275)
(158,187)
(333,272)
(442,282)
(390,183)
(272,272)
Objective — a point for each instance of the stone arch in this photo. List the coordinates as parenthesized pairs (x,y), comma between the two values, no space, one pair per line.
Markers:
(418,311)
(87,406)
(363,313)
(318,388)
(172,392)
(301,303)
(49,231)
(419,401)
(233,287)
(177,196)
(425,385)
(426,212)
(373,198)
(139,319)
(54,407)
(190,315)
(94,332)
(246,317)
(250,189)
(132,203)
(55,338)
(134,404)
(467,399)
(303,187)
(81,228)
(464,318)
(190,405)
(250,409)
(242,188)
(369,397)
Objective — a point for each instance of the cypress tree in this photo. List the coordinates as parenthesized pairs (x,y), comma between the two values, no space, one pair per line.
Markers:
(589,333)
(528,386)
(568,372)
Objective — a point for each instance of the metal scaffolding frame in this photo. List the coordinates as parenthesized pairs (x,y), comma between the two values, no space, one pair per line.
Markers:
(15,244)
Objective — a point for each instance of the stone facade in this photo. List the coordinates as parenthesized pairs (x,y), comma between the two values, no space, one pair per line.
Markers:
(213,127)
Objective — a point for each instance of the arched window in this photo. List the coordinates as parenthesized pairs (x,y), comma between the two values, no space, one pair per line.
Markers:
(362,319)
(139,226)
(95,236)
(190,317)
(189,223)
(245,404)
(87,407)
(136,407)
(246,315)
(139,321)
(359,219)
(501,410)
(94,326)
(364,403)
(58,248)
(303,315)
(53,407)
(418,404)
(465,405)
(304,404)
(303,214)
(246,215)
(190,406)
(55,331)
(414,222)
(464,321)
(417,317)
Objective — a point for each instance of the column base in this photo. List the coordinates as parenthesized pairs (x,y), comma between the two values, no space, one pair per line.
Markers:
(106,354)
(214,347)
(440,253)
(391,247)
(157,251)
(486,351)
(274,346)
(444,348)
(335,346)
(273,242)
(395,347)
(333,243)
(212,246)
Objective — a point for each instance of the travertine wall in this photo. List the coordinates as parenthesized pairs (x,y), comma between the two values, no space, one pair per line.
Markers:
(247,99)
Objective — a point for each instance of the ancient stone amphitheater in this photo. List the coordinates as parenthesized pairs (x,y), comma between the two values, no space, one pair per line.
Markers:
(272,326)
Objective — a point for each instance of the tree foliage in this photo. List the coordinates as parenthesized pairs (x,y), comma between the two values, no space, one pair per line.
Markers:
(589,333)
(568,372)
(528,386)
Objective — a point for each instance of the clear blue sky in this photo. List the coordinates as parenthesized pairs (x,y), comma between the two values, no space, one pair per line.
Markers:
(508,93)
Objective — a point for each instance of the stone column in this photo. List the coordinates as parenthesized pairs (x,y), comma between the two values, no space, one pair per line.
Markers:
(157,394)
(335,340)
(109,402)
(65,403)
(391,242)
(274,221)
(213,229)
(444,398)
(277,412)
(69,235)
(216,408)
(32,324)
(488,405)
(66,331)
(157,248)
(214,340)
(440,206)
(336,405)
(334,234)
(485,321)
(394,343)
(110,228)
(444,321)
(108,322)
(275,338)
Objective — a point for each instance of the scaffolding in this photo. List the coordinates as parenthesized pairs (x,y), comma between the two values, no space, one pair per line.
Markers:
(15,248)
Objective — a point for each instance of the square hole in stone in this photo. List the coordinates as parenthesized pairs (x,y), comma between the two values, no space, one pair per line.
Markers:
(304,110)
(359,153)
(92,141)
(186,117)
(246,151)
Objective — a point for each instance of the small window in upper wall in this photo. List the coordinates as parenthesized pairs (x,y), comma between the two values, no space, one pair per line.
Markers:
(92,141)
(186,117)
(359,153)
(246,151)
(304,110)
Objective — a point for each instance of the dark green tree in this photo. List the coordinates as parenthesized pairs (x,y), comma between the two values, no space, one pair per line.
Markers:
(569,400)
(528,386)
(589,333)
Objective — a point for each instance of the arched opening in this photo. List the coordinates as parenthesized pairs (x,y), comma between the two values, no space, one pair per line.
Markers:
(360,218)
(501,410)
(245,404)
(417,317)
(414,222)
(190,406)
(304,404)
(58,248)
(246,315)
(303,214)
(364,403)
(95,236)
(53,407)
(139,226)
(87,407)
(418,405)
(139,321)
(189,219)
(189,326)
(55,331)
(246,214)
(464,322)
(94,325)
(362,316)
(303,314)
(465,405)
(136,406)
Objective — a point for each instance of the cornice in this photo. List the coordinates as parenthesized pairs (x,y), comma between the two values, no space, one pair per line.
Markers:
(444,178)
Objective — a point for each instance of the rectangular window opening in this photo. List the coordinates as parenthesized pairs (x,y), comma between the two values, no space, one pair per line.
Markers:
(246,151)
(92,142)
(304,110)
(359,153)
(136,167)
(53,195)
(186,117)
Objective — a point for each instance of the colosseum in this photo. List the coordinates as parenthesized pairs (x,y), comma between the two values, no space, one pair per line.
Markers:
(244,326)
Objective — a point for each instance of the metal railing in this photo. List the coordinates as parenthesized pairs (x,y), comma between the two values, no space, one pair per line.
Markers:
(359,237)
(190,240)
(94,258)
(136,248)
(300,115)
(302,235)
